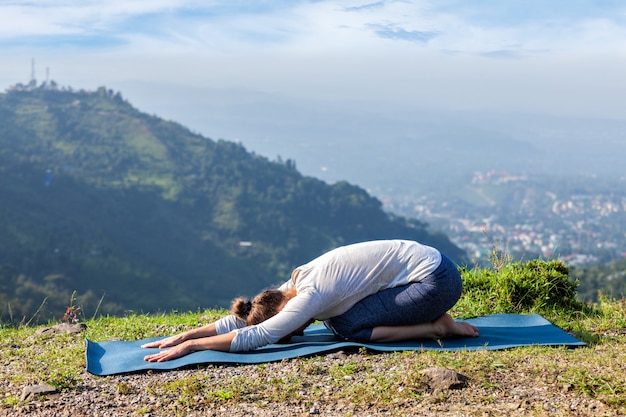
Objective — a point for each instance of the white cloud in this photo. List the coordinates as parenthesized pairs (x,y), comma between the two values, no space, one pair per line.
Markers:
(525,54)
(480,27)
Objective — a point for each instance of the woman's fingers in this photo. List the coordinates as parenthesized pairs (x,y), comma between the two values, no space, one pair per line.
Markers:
(163,343)
(166,355)
(157,344)
(154,358)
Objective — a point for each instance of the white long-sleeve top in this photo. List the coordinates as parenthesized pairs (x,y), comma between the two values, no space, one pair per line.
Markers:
(334,282)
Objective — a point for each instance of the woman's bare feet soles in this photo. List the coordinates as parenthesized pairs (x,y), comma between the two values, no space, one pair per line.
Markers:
(445,326)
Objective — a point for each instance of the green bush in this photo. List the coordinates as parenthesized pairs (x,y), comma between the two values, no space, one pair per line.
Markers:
(537,286)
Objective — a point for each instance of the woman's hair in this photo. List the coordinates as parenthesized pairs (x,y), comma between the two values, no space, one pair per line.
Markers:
(261,308)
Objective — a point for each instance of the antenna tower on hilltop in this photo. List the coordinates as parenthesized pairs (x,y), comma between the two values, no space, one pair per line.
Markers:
(32,72)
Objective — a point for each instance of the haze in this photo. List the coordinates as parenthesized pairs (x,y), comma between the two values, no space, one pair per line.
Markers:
(307,79)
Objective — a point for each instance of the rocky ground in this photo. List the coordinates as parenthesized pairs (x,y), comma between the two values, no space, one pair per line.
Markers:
(532,381)
(432,392)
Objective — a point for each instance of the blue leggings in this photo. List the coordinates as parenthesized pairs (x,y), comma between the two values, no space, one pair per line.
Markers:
(415,303)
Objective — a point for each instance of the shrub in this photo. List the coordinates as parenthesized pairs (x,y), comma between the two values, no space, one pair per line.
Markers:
(536,286)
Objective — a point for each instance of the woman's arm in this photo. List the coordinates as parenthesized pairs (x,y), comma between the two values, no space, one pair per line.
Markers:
(200,332)
(216,342)
(221,326)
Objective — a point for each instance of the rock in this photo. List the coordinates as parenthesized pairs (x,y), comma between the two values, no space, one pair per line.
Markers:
(75,328)
(38,389)
(338,355)
(438,378)
(61,328)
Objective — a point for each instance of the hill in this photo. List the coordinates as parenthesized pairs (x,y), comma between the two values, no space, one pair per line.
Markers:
(137,213)
(595,281)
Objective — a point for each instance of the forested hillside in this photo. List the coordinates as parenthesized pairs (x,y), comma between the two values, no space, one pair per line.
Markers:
(137,213)
(601,280)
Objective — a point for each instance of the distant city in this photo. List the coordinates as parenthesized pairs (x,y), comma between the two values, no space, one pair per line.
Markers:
(580,221)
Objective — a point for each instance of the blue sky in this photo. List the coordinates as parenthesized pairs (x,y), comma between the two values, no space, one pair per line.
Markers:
(559,56)
(217,65)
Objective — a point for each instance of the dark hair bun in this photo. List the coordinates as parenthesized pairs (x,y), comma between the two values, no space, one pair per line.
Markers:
(241,307)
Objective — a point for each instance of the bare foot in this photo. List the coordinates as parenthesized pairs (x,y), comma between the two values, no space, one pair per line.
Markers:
(446,326)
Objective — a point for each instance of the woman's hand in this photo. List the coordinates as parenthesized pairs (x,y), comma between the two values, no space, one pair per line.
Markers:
(181,349)
(167,342)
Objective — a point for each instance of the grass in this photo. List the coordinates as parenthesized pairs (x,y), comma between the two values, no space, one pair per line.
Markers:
(594,375)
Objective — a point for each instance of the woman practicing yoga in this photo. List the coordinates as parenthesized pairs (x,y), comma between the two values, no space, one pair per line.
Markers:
(377,291)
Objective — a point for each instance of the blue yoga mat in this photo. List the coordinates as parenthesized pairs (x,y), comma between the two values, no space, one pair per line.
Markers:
(500,331)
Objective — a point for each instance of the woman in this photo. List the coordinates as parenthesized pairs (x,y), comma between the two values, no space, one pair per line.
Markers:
(377,291)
